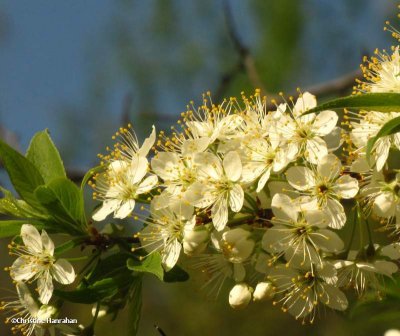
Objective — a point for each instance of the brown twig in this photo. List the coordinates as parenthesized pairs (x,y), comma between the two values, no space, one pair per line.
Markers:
(245,62)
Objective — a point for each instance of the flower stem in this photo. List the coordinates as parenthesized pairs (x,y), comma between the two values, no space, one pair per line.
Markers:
(353,231)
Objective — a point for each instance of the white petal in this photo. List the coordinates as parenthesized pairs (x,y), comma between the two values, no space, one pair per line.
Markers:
(236,198)
(305,102)
(147,184)
(107,207)
(275,239)
(382,148)
(31,238)
(336,214)
(317,218)
(384,205)
(300,178)
(219,214)
(228,125)
(26,298)
(199,195)
(63,272)
(385,267)
(327,240)
(171,253)
(334,298)
(329,167)
(148,143)
(23,269)
(125,209)
(118,166)
(48,244)
(209,165)
(392,251)
(232,166)
(282,207)
(325,122)
(263,179)
(137,169)
(334,139)
(45,288)
(346,187)
(165,165)
(315,150)
(192,146)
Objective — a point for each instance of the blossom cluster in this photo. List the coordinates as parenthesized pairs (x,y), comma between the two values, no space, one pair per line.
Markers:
(261,196)
(272,200)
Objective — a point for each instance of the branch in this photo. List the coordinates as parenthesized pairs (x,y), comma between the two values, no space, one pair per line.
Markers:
(245,63)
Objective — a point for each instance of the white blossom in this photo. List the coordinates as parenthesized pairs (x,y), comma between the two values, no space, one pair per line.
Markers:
(325,186)
(36,261)
(219,186)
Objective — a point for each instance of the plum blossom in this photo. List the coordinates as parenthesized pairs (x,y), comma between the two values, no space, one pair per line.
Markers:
(36,261)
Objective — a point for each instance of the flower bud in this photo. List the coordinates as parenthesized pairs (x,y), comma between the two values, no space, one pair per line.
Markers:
(195,241)
(263,291)
(240,296)
(236,245)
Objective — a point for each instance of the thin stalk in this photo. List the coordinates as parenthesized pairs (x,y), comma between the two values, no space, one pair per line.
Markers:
(353,231)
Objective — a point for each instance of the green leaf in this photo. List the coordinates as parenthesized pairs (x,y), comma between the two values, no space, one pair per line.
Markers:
(99,291)
(110,266)
(177,274)
(391,127)
(383,102)
(135,307)
(11,206)
(10,228)
(23,174)
(44,155)
(64,202)
(151,264)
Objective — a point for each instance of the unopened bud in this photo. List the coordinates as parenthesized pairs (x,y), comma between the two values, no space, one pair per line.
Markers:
(236,245)
(240,296)
(263,291)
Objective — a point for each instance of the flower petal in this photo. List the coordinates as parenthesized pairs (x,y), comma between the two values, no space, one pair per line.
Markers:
(23,269)
(45,288)
(282,207)
(171,253)
(329,167)
(63,272)
(147,184)
(31,238)
(137,169)
(48,244)
(346,186)
(385,205)
(165,165)
(209,165)
(219,214)
(199,195)
(327,240)
(148,143)
(27,299)
(300,178)
(336,214)
(236,198)
(107,207)
(232,166)
(325,122)
(315,150)
(125,209)
(263,179)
